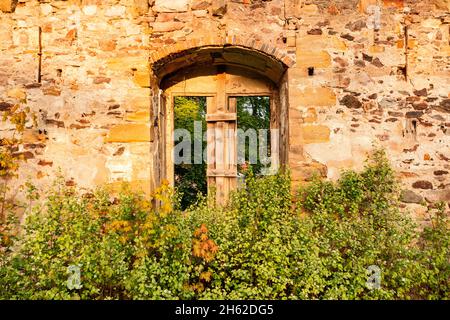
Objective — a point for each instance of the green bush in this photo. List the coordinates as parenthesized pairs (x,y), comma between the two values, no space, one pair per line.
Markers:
(266,244)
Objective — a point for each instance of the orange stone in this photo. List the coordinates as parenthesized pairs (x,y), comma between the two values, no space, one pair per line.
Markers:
(393,3)
(138,103)
(412,43)
(364,4)
(309,9)
(142,79)
(7,5)
(317,59)
(17,93)
(128,63)
(311,115)
(311,134)
(313,97)
(139,116)
(107,45)
(376,49)
(132,132)
(32,136)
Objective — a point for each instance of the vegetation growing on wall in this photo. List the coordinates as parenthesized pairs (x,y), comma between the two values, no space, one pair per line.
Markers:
(190,178)
(263,245)
(16,117)
(254,113)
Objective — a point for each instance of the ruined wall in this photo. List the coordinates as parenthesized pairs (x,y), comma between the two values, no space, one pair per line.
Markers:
(93,102)
(353,81)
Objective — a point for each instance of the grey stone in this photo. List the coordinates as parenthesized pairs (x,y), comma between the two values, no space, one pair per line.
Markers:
(351,102)
(356,26)
(409,196)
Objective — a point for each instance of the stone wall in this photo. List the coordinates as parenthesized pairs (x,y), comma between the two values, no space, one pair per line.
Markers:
(354,81)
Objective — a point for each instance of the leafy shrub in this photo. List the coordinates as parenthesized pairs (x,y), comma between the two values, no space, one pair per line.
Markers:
(263,245)
(190,178)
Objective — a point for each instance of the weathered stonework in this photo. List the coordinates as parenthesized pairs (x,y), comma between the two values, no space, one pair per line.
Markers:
(346,82)
(8,5)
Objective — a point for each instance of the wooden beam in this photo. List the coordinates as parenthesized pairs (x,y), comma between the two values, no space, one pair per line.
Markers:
(221,173)
(215,117)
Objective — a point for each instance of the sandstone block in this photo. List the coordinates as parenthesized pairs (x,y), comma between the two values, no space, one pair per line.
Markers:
(138,103)
(310,9)
(311,115)
(107,44)
(296,154)
(90,10)
(200,13)
(167,26)
(171,5)
(431,23)
(313,97)
(17,93)
(139,116)
(306,171)
(46,9)
(6,36)
(141,167)
(141,6)
(442,4)
(132,132)
(316,59)
(51,91)
(200,4)
(219,7)
(393,3)
(139,149)
(8,5)
(115,11)
(291,38)
(138,93)
(293,8)
(128,63)
(142,79)
(313,42)
(376,49)
(32,136)
(310,134)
